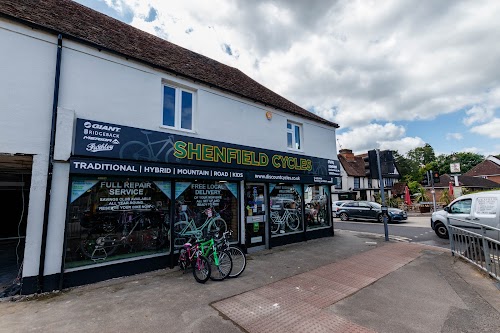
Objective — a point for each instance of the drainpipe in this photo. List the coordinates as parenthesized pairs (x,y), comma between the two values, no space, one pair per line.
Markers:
(50,167)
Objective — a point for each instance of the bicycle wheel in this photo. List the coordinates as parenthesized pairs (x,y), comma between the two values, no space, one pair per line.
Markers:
(201,269)
(239,261)
(98,247)
(275,225)
(217,223)
(293,221)
(220,272)
(135,150)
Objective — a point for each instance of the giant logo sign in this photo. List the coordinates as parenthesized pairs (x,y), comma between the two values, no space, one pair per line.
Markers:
(98,139)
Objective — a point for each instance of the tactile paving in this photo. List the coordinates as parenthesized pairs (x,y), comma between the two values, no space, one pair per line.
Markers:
(295,304)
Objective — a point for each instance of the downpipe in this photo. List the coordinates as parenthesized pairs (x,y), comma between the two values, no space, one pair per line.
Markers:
(50,166)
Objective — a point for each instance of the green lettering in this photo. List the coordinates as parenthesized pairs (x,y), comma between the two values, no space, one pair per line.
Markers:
(194,151)
(220,154)
(180,149)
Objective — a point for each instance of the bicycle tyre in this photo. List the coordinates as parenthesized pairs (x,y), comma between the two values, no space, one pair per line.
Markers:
(275,226)
(136,150)
(217,223)
(222,271)
(201,269)
(239,261)
(97,247)
(293,221)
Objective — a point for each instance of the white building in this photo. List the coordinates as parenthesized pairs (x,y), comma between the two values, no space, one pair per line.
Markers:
(113,140)
(356,183)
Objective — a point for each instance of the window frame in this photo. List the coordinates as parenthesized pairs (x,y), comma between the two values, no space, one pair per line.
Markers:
(292,131)
(178,91)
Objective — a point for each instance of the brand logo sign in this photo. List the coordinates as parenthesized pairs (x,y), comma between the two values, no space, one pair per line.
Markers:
(99,137)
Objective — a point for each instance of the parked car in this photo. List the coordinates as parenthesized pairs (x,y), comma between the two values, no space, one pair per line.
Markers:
(481,207)
(370,211)
(336,206)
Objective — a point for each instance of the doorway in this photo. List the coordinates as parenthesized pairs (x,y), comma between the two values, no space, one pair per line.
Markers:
(15,183)
(256,227)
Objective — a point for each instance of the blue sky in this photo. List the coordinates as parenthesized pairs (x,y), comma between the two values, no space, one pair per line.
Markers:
(394,75)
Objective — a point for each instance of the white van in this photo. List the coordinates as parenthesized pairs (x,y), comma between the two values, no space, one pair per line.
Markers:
(482,207)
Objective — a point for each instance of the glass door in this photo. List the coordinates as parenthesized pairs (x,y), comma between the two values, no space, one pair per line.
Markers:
(257,235)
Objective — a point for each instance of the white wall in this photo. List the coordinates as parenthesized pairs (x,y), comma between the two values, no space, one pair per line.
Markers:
(27,67)
(107,88)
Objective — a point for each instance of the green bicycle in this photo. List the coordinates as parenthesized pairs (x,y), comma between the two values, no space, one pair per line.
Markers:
(220,260)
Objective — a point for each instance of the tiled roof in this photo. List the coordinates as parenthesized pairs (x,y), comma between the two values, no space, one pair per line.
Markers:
(75,21)
(354,168)
(485,168)
(467,181)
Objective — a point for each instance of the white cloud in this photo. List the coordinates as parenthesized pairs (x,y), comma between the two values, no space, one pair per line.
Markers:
(373,136)
(478,114)
(353,62)
(490,129)
(454,136)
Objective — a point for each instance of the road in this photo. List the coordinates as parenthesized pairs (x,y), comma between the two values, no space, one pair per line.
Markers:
(416,229)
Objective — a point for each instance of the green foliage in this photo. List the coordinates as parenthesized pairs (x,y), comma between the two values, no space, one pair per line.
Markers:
(467,161)
(414,187)
(413,166)
(421,195)
(394,202)
(422,155)
(446,197)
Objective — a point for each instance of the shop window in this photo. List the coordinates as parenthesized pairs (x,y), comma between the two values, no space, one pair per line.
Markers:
(316,209)
(370,183)
(286,207)
(293,135)
(178,108)
(116,218)
(203,207)
(338,183)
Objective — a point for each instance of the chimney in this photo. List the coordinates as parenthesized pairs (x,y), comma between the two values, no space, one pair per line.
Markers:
(347,154)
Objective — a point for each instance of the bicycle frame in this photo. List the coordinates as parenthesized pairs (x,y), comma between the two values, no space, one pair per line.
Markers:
(150,144)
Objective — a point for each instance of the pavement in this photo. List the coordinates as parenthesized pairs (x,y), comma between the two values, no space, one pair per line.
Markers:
(351,282)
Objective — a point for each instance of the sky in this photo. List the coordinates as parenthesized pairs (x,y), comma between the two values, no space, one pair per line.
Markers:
(394,74)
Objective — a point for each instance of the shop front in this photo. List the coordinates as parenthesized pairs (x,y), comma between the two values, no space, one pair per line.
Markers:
(139,195)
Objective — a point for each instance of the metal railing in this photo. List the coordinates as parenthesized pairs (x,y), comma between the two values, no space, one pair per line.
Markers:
(470,241)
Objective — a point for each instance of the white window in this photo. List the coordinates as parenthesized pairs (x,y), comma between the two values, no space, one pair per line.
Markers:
(293,135)
(178,107)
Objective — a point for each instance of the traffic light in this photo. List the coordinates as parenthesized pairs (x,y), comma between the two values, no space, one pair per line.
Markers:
(425,182)
(435,177)
(371,166)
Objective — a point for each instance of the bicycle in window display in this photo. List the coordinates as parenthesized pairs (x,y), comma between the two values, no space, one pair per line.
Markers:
(284,217)
(186,227)
(139,230)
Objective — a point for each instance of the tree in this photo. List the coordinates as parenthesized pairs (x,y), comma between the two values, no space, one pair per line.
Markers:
(422,155)
(467,161)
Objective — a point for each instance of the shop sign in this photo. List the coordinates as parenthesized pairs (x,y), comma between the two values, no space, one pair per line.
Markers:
(104,140)
(108,167)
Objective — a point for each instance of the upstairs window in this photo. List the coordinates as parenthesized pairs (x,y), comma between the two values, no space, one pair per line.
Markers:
(293,136)
(178,107)
(356,182)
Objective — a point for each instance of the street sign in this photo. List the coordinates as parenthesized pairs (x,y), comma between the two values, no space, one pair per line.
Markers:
(455,167)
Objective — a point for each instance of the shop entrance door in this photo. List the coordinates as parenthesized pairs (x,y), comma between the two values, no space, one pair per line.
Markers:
(256,229)
(15,183)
